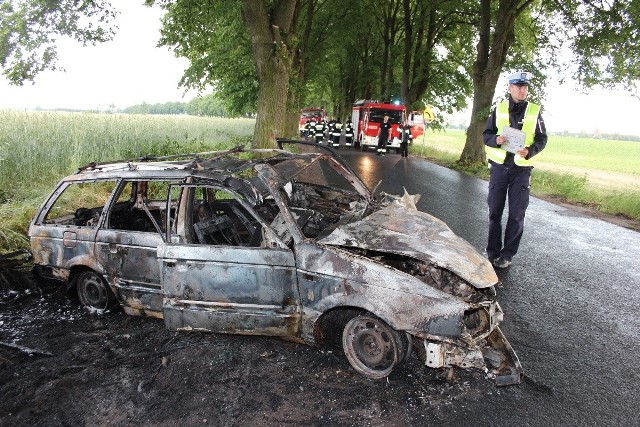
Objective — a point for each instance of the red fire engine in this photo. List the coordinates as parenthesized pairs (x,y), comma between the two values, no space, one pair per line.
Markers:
(310,113)
(416,121)
(419,119)
(366,117)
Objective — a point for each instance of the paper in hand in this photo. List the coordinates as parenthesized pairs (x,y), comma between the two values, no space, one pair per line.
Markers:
(515,139)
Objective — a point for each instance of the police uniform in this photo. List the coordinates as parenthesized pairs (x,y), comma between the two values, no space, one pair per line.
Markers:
(510,174)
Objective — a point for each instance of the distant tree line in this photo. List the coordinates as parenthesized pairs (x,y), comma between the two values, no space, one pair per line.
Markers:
(166,108)
(209,105)
(600,135)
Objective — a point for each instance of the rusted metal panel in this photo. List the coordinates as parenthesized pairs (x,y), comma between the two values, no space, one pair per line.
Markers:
(330,278)
(230,288)
(251,319)
(418,235)
(51,247)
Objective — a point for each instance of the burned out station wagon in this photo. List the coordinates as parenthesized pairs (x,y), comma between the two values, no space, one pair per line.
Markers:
(272,242)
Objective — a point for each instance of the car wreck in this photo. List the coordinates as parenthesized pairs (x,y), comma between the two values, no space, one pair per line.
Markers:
(278,243)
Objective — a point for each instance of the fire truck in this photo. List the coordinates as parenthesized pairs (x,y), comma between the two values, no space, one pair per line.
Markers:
(418,120)
(366,117)
(310,113)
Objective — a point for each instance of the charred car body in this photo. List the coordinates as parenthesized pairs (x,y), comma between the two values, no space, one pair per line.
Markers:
(269,242)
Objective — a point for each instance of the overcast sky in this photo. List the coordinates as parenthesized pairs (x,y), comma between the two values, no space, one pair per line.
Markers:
(131,70)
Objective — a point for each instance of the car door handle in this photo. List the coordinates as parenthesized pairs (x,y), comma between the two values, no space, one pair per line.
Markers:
(170,262)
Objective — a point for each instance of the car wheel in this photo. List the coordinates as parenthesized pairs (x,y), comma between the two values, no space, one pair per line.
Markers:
(93,291)
(372,347)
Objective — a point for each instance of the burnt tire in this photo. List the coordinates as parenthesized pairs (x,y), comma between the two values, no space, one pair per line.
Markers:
(372,347)
(93,291)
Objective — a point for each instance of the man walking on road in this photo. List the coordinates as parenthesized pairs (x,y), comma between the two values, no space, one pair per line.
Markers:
(513,134)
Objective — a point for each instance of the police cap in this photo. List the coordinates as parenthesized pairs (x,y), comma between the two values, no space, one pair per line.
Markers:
(519,78)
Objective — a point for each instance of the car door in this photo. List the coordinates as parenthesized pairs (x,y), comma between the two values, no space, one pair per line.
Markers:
(232,274)
(64,230)
(127,245)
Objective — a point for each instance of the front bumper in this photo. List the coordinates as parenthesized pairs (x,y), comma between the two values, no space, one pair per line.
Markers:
(493,353)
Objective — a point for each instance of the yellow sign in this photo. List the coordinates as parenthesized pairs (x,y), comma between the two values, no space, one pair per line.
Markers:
(428,114)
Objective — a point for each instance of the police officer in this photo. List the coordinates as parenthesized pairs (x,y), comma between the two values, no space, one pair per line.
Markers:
(405,136)
(348,134)
(336,131)
(510,171)
(383,136)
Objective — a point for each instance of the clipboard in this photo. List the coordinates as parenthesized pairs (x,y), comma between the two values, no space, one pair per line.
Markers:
(515,139)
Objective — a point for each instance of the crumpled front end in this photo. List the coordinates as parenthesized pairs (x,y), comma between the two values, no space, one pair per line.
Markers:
(408,232)
(481,346)
(424,248)
(480,343)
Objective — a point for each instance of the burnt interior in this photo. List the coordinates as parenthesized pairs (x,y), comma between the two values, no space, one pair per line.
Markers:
(225,222)
(320,209)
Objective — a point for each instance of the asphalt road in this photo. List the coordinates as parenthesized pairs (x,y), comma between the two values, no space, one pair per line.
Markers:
(571,298)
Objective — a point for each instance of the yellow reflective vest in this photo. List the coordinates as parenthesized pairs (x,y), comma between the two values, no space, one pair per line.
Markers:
(528,127)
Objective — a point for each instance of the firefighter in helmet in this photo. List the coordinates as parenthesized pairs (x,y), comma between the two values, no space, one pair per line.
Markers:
(311,128)
(348,134)
(335,134)
(319,133)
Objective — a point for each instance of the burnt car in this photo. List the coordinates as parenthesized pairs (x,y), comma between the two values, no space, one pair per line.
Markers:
(278,243)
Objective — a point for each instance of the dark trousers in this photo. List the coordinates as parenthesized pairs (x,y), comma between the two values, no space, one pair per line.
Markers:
(382,144)
(513,183)
(404,149)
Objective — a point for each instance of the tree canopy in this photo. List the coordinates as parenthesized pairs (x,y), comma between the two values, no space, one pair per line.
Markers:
(30,30)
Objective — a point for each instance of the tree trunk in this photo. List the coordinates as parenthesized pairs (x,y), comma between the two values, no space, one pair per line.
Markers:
(473,151)
(492,53)
(270,29)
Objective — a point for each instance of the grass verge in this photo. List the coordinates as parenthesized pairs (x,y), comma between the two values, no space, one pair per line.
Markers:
(445,149)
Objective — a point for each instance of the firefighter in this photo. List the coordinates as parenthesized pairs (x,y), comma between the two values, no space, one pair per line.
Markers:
(329,129)
(383,136)
(510,172)
(335,134)
(311,129)
(348,134)
(305,132)
(319,134)
(405,136)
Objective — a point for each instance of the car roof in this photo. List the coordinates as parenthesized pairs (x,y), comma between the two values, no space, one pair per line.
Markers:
(225,162)
(216,165)
(211,163)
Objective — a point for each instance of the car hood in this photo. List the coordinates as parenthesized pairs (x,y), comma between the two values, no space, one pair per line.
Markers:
(404,231)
